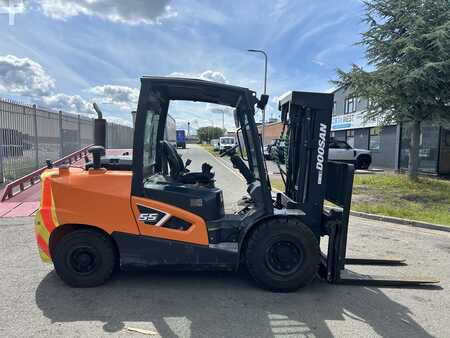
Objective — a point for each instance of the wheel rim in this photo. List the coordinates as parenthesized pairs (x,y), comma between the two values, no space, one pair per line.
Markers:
(284,257)
(83,260)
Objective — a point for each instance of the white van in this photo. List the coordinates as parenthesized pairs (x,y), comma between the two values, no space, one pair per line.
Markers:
(226,142)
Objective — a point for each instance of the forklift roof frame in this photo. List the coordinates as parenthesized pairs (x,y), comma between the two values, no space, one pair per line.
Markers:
(157,92)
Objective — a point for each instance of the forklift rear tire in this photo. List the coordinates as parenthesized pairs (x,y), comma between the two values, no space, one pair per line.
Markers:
(282,255)
(84,258)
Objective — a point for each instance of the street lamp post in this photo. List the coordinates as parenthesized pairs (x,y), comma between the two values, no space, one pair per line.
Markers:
(265,87)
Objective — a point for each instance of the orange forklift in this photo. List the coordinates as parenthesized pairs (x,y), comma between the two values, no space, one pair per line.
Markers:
(149,210)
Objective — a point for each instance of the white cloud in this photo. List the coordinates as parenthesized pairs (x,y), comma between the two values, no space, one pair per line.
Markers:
(132,12)
(68,103)
(28,78)
(208,75)
(24,76)
(211,75)
(122,96)
(218,110)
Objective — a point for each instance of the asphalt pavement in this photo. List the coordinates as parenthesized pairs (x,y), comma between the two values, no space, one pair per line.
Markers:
(34,302)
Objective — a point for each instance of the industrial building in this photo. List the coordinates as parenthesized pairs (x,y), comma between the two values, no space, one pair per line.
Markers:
(389,144)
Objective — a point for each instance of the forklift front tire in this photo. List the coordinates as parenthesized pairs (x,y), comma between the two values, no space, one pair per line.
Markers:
(84,258)
(282,255)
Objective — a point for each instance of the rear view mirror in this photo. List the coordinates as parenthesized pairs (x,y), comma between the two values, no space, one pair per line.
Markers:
(263,101)
(236,119)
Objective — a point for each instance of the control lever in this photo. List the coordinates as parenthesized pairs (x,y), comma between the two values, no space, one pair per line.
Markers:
(243,169)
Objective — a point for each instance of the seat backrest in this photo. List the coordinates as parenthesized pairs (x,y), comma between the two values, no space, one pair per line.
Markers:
(175,161)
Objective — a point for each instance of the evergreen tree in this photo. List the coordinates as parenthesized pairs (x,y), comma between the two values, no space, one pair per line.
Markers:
(408,51)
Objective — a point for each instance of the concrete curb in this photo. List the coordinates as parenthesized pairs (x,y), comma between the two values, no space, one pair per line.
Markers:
(412,223)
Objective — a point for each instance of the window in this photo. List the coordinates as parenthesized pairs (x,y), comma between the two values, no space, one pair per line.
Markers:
(339,145)
(334,108)
(428,147)
(332,134)
(150,139)
(227,140)
(350,105)
(350,134)
(374,139)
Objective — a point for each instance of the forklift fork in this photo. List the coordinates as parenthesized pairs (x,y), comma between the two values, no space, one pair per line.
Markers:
(333,265)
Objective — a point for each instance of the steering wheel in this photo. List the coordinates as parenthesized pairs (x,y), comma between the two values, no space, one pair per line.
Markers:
(229,151)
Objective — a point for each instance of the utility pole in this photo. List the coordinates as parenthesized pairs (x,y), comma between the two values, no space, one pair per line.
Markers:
(265,88)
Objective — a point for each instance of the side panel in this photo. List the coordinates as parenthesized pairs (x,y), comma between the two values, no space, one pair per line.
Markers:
(151,216)
(97,197)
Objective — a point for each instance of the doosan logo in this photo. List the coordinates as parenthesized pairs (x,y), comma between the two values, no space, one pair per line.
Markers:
(321,152)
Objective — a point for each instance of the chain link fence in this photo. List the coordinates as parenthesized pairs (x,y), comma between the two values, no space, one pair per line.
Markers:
(30,135)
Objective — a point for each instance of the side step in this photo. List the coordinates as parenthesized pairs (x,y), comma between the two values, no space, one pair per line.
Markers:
(352,278)
(390,261)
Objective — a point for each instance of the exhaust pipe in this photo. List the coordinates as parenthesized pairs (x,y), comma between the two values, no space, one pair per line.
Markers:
(99,128)
(98,149)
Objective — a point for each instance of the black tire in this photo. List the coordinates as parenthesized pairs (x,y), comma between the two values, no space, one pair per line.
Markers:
(363,162)
(84,258)
(299,248)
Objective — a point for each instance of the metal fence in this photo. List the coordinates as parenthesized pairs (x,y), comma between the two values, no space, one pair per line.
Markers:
(30,135)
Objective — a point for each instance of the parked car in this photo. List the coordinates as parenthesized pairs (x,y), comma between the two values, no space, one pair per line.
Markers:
(267,149)
(226,142)
(341,151)
(277,151)
(215,144)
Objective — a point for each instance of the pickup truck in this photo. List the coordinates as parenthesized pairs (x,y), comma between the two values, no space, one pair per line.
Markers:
(339,151)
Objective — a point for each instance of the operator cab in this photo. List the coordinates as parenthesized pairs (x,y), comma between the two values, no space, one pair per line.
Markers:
(159,172)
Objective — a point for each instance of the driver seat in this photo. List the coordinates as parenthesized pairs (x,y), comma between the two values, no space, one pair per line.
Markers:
(179,172)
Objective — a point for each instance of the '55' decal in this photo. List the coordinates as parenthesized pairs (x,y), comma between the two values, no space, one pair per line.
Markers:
(150,218)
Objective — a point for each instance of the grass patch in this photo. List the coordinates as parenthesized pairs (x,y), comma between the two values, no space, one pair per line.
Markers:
(427,200)
(395,195)
(277,184)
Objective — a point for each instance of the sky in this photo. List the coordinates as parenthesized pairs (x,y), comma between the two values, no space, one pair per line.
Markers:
(65,54)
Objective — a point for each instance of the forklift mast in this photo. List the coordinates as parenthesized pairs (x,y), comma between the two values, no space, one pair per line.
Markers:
(308,120)
(310,180)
